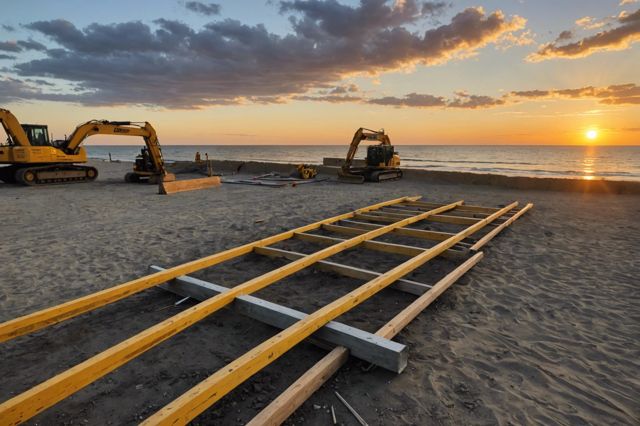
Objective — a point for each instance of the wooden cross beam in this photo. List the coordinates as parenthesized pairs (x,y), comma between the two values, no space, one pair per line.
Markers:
(409,232)
(380,246)
(407,286)
(466,207)
(392,217)
(401,208)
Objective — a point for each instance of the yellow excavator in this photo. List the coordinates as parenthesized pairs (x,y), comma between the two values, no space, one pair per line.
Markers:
(382,162)
(33,159)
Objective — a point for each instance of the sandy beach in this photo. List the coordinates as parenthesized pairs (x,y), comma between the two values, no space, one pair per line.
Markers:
(544,330)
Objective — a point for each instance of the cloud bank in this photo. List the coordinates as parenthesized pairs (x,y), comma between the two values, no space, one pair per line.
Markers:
(620,37)
(462,100)
(172,65)
(620,94)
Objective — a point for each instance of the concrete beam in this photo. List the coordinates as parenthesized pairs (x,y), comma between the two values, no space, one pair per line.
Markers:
(366,346)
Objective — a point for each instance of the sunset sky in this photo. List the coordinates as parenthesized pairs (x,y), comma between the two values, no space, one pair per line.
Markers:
(291,72)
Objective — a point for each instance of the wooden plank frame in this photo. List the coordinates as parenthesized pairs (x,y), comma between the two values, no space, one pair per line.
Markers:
(189,405)
(297,393)
(49,392)
(203,395)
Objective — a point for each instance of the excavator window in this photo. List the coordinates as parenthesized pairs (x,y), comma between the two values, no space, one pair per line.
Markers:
(38,135)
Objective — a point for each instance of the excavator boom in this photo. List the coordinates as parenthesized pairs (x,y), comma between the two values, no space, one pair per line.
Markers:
(120,128)
(15,133)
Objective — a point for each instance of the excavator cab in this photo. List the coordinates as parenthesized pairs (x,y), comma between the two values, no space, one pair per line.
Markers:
(143,161)
(380,155)
(38,134)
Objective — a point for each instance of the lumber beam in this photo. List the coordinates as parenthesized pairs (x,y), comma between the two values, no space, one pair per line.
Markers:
(295,395)
(44,395)
(49,316)
(366,346)
(458,220)
(372,245)
(203,395)
(401,209)
(407,286)
(166,188)
(381,246)
(484,240)
(464,207)
(409,232)
(373,218)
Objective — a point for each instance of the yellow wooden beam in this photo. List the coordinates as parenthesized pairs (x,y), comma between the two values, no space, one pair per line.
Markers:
(200,397)
(46,317)
(458,220)
(409,232)
(167,188)
(370,245)
(375,218)
(401,208)
(465,207)
(484,240)
(295,395)
(44,395)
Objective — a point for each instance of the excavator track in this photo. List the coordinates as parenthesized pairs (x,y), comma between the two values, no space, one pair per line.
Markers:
(55,174)
(385,175)
(8,174)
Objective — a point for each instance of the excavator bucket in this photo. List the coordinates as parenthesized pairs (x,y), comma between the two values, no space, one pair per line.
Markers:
(167,188)
(169,177)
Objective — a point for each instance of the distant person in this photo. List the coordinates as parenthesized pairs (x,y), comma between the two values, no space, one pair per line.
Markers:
(198,158)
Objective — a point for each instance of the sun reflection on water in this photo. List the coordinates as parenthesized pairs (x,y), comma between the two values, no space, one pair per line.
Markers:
(588,163)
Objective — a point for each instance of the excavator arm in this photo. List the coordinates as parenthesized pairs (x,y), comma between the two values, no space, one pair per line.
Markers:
(119,128)
(15,132)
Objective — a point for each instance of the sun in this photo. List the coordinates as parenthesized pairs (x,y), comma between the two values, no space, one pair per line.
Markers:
(591,134)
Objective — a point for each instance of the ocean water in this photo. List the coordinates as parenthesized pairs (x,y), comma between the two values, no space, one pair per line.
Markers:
(581,162)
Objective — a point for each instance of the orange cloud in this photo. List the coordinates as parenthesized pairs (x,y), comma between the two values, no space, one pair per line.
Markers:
(618,38)
(619,94)
(612,95)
